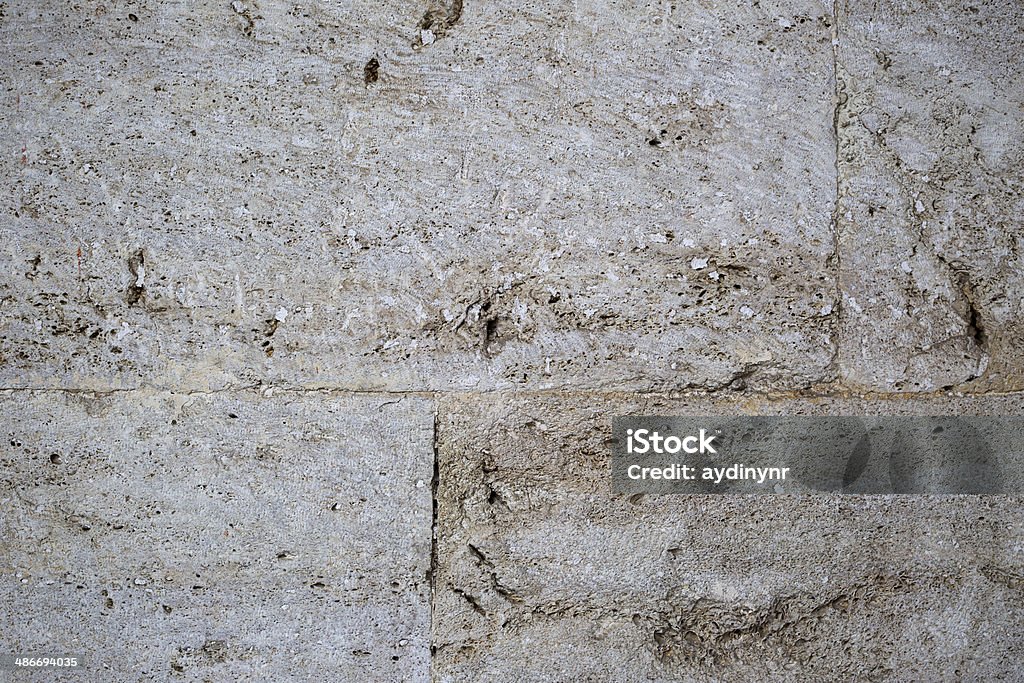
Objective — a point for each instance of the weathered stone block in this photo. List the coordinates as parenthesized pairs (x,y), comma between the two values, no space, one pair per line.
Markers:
(930,156)
(545,575)
(217,537)
(591,195)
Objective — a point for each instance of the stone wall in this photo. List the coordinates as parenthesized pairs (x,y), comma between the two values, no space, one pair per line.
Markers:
(314,316)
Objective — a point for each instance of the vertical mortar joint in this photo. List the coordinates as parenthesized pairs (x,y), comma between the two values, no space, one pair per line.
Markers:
(839,98)
(434,482)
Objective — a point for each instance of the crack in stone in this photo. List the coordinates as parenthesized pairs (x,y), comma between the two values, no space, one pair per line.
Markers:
(505,592)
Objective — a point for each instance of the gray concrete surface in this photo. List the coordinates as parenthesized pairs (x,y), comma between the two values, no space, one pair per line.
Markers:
(340,222)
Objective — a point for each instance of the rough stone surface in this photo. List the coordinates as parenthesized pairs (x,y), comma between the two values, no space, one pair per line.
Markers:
(545,195)
(931,152)
(545,575)
(223,537)
(537,216)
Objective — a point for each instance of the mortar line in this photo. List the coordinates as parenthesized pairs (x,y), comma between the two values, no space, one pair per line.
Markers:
(825,391)
(837,103)
(434,483)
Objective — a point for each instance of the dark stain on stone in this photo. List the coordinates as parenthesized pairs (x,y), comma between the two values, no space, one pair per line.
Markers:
(976,331)
(438,19)
(371,72)
(243,10)
(136,265)
(975,326)
(31,275)
(269,328)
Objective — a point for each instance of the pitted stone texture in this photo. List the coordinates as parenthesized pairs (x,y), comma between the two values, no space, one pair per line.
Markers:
(224,537)
(592,195)
(930,158)
(545,575)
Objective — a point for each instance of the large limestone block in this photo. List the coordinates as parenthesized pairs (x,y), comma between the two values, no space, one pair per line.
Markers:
(931,148)
(220,537)
(545,575)
(408,195)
